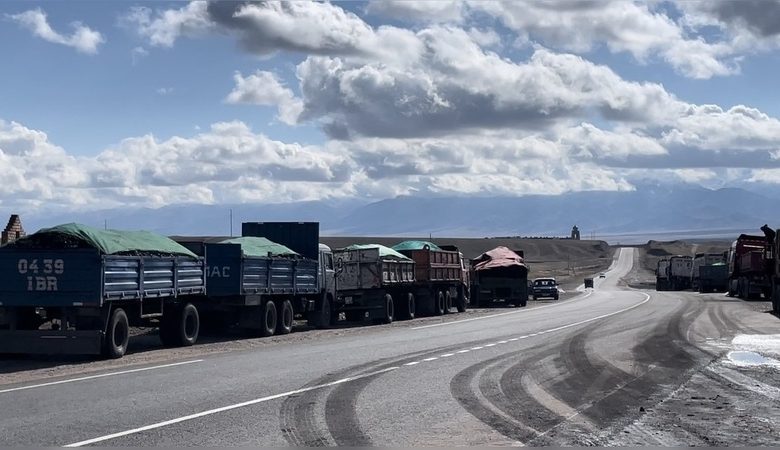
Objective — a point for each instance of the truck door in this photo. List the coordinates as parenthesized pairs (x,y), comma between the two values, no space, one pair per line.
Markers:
(328,274)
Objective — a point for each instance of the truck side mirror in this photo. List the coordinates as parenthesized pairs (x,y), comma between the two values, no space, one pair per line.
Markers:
(339,265)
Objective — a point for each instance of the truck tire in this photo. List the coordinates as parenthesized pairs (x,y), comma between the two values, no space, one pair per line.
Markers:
(284,323)
(269,319)
(389,312)
(117,335)
(439,303)
(410,310)
(180,327)
(460,302)
(447,302)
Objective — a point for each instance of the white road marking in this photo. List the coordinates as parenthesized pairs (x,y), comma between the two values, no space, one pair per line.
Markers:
(413,363)
(432,358)
(102,375)
(466,350)
(446,355)
(222,409)
(476,348)
(490,345)
(454,322)
(502,342)
(513,339)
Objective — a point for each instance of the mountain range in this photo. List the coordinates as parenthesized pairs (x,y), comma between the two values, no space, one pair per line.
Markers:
(645,211)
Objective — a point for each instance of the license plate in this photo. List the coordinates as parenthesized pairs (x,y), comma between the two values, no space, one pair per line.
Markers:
(348,300)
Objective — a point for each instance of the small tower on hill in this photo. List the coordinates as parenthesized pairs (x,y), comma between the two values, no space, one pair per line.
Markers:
(13,230)
(575,233)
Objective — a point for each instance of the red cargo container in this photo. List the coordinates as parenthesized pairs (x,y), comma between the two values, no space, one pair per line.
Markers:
(436,265)
(747,274)
(752,262)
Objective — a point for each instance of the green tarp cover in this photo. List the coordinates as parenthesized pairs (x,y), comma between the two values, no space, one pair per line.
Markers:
(108,242)
(384,252)
(415,245)
(260,246)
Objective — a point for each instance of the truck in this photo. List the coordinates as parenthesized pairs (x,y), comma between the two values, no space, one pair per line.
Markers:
(74,289)
(680,272)
(500,275)
(662,275)
(440,277)
(747,269)
(374,283)
(772,260)
(703,276)
(260,286)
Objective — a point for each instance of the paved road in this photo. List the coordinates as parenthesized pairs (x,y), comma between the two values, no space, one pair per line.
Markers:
(575,372)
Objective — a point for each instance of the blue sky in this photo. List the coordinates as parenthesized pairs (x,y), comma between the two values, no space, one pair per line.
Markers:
(374,100)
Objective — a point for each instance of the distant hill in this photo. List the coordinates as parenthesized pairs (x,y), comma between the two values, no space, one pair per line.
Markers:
(649,210)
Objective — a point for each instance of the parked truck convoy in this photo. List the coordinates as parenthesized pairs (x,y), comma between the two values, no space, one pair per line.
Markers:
(747,270)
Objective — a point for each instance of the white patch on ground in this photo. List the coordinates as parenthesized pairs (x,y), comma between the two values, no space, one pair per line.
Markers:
(750,350)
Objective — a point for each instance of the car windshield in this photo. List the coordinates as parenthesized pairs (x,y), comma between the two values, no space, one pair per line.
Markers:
(544,283)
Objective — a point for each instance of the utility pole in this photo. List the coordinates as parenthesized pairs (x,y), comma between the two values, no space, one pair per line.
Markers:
(105,224)
(231,222)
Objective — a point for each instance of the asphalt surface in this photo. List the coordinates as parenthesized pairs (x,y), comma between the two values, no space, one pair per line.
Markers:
(578,372)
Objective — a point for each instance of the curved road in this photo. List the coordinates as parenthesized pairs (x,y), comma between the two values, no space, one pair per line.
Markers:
(576,372)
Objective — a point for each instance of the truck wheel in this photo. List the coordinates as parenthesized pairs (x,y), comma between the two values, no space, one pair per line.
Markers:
(117,335)
(389,309)
(268,327)
(460,302)
(447,302)
(411,306)
(439,304)
(285,322)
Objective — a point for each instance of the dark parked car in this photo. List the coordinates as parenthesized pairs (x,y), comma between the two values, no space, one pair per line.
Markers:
(545,287)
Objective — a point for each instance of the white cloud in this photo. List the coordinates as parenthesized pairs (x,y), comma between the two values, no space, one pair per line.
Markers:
(162,28)
(418,10)
(83,38)
(138,53)
(264,88)
(164,91)
(621,26)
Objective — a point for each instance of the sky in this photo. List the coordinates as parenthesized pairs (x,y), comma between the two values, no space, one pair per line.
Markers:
(147,104)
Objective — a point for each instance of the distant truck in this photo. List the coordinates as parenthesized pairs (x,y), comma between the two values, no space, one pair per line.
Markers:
(709,272)
(747,268)
(440,277)
(74,289)
(500,275)
(374,282)
(680,272)
(662,275)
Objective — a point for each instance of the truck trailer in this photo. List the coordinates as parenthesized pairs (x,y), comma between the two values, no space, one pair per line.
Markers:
(260,286)
(680,272)
(74,289)
(662,275)
(747,268)
(440,277)
(772,260)
(374,283)
(708,272)
(500,275)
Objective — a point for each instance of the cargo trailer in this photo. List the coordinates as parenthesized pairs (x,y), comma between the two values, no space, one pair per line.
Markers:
(680,272)
(440,277)
(713,278)
(500,276)
(374,283)
(74,289)
(700,261)
(747,268)
(662,275)
(258,285)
